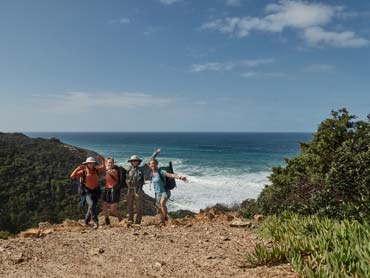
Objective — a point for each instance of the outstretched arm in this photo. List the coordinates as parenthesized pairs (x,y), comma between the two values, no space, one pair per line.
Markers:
(175,176)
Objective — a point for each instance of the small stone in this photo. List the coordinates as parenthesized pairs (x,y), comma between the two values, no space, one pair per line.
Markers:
(101,251)
(188,225)
(225,238)
(158,265)
(258,217)
(145,233)
(240,224)
(131,260)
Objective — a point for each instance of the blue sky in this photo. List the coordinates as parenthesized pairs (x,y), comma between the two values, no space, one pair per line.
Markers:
(181,65)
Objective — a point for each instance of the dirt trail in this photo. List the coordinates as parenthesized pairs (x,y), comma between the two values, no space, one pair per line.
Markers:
(199,247)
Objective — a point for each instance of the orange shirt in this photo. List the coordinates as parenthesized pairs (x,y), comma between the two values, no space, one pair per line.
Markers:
(109,181)
(92,179)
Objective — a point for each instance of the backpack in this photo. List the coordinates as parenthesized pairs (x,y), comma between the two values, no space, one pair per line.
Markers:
(169,183)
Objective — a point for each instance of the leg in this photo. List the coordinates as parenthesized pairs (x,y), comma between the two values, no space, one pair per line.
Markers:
(114,210)
(130,204)
(94,209)
(164,208)
(139,196)
(106,212)
(89,203)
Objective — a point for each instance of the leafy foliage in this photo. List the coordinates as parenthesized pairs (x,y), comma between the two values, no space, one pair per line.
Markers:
(315,246)
(330,176)
(35,185)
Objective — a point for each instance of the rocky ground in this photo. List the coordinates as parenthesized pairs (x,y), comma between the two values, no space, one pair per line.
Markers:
(204,246)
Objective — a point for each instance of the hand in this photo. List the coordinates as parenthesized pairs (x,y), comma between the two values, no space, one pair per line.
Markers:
(184,179)
(158,150)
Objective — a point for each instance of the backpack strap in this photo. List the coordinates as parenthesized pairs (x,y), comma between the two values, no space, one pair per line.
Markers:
(162,178)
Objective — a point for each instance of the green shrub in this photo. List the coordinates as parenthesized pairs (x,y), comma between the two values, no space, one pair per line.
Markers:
(316,247)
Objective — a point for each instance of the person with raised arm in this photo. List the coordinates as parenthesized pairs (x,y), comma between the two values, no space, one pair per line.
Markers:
(158,181)
(112,191)
(89,173)
(135,179)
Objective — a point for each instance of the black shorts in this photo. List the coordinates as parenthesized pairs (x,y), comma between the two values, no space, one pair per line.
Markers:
(111,195)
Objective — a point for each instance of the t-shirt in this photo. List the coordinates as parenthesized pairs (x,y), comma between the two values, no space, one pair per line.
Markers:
(110,182)
(92,178)
(158,182)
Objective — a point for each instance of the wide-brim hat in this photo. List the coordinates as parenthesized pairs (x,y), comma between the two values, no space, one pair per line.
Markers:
(135,158)
(90,160)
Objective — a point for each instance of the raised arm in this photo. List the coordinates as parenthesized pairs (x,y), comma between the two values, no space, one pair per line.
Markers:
(156,152)
(102,162)
(77,173)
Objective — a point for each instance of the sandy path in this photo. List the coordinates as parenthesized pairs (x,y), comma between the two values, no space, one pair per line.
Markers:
(204,249)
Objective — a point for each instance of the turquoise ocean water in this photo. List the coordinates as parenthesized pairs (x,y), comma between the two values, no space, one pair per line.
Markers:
(221,167)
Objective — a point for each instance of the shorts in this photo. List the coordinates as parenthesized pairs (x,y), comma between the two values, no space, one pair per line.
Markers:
(162,195)
(111,195)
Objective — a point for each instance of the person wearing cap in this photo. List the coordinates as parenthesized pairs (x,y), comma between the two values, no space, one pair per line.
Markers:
(135,179)
(89,173)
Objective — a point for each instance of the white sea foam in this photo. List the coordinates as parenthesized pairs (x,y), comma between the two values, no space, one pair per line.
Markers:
(205,191)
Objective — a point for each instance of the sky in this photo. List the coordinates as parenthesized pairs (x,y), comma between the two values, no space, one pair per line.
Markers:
(182,65)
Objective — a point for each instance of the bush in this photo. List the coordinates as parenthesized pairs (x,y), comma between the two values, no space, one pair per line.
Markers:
(316,247)
(330,176)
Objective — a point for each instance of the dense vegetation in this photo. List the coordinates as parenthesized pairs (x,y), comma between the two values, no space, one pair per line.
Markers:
(330,177)
(34,181)
(316,247)
(35,185)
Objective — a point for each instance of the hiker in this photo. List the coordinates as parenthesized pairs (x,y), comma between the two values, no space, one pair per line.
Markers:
(112,191)
(89,173)
(135,180)
(158,181)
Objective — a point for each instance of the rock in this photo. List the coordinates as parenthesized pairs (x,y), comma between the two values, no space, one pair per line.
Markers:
(71,223)
(258,217)
(188,225)
(225,238)
(45,225)
(46,232)
(240,224)
(157,265)
(30,233)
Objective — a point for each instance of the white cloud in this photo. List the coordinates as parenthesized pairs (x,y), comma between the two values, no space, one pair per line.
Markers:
(265,75)
(212,66)
(299,15)
(124,20)
(82,101)
(217,66)
(257,62)
(233,3)
(285,14)
(319,68)
(169,2)
(316,36)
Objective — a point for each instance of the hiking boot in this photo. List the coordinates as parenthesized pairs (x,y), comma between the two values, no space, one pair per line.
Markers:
(107,221)
(95,226)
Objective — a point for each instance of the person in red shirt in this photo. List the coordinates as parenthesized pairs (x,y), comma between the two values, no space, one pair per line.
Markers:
(89,173)
(111,193)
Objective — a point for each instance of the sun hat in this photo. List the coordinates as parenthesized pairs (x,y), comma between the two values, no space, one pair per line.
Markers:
(90,160)
(135,157)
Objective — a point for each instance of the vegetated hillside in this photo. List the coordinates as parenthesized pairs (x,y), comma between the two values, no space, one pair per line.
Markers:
(330,177)
(35,184)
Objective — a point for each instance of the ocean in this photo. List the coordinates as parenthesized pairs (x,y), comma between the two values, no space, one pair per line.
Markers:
(221,167)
